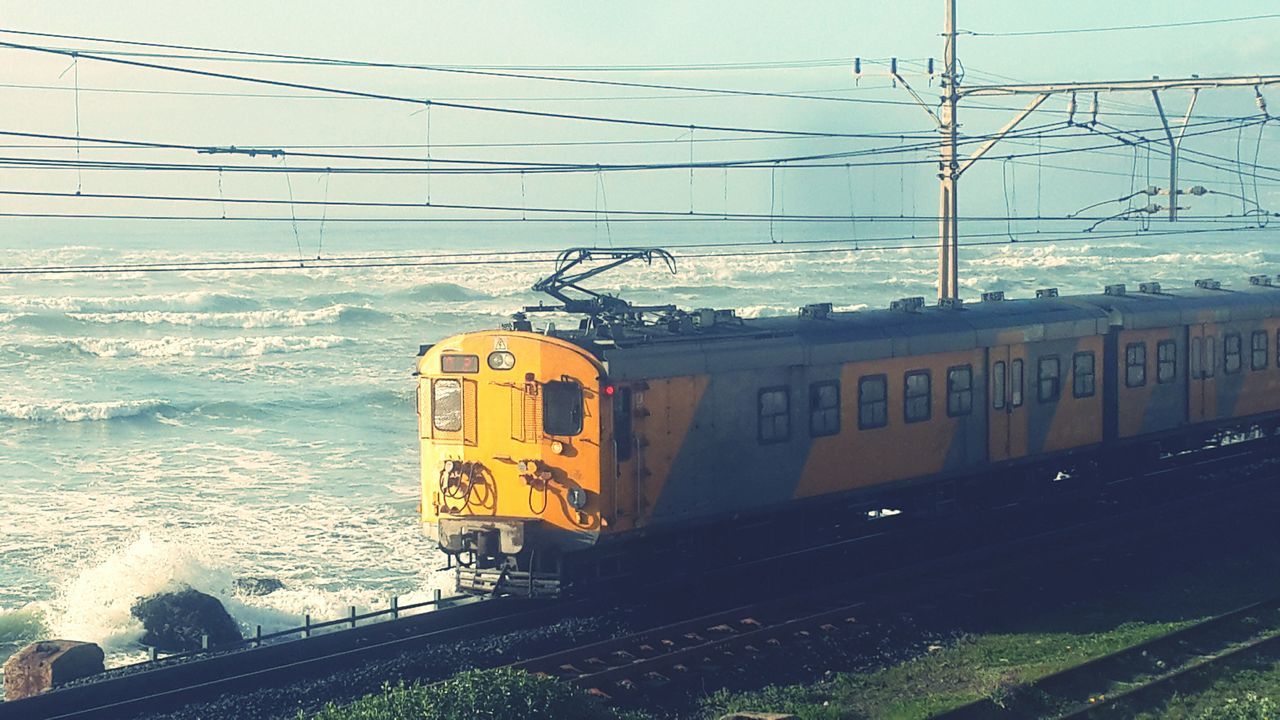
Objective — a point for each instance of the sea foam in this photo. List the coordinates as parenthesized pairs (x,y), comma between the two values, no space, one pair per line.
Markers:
(170,347)
(73,411)
(245,319)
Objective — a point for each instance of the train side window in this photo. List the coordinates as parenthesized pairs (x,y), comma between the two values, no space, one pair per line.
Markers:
(873,402)
(561,407)
(997,385)
(1210,365)
(959,390)
(1258,358)
(824,408)
(1050,379)
(1196,356)
(1015,383)
(917,402)
(1135,364)
(1231,362)
(446,404)
(1166,361)
(775,415)
(1083,380)
(1277,348)
(622,424)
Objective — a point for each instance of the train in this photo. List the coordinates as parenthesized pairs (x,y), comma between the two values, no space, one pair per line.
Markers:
(552,457)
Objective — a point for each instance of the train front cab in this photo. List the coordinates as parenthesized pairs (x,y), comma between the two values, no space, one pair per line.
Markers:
(511,455)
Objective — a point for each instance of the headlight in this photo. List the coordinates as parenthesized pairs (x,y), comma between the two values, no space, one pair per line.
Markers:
(501,360)
(577,498)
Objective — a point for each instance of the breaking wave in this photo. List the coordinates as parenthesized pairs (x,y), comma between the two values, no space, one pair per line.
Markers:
(71,411)
(244,320)
(196,300)
(171,347)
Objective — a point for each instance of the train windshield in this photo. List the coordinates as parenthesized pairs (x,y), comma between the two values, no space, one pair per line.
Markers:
(562,408)
(446,404)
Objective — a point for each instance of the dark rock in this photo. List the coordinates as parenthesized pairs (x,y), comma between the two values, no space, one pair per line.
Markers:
(258,585)
(175,621)
(43,665)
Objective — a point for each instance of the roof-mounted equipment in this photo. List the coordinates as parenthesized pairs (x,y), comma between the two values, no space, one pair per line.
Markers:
(951,303)
(1208,284)
(570,273)
(816,311)
(1043,293)
(993,296)
(911,304)
(1149,288)
(1118,290)
(1260,280)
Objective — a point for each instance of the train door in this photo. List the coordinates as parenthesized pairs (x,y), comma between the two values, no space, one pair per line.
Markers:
(1006,372)
(625,456)
(1203,366)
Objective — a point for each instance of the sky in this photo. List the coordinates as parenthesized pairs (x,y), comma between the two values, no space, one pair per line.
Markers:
(112,101)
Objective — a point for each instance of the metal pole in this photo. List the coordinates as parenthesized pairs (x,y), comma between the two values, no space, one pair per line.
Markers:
(1173,158)
(948,220)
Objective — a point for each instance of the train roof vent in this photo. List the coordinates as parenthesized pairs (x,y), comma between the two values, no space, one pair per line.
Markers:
(1208,284)
(911,304)
(1149,288)
(1046,293)
(710,317)
(993,296)
(1260,280)
(951,303)
(816,311)
(1117,290)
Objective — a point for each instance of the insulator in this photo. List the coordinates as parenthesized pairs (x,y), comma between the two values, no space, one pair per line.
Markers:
(930,66)
(1093,110)
(1071,110)
(1262,102)
(893,65)
(857,66)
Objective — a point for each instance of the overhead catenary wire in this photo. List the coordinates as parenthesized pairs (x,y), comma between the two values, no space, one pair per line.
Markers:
(457,260)
(1118,28)
(578,117)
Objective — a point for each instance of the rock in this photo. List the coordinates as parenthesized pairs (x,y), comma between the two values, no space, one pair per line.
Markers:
(45,664)
(175,621)
(258,585)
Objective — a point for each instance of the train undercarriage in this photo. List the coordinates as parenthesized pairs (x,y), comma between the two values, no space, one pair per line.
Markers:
(497,556)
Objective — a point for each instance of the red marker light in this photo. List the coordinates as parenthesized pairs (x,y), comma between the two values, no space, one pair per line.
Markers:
(609,390)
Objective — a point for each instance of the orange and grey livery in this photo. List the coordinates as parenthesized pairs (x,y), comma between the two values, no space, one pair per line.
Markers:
(547,456)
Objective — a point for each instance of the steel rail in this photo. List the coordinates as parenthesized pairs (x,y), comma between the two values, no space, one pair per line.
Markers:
(233,672)
(650,659)
(174,684)
(1082,688)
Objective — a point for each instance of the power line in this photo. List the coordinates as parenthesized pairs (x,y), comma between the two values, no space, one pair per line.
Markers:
(481,259)
(684,67)
(418,101)
(512,166)
(1117,28)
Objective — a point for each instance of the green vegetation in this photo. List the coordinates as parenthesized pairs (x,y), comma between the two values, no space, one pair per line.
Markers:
(499,694)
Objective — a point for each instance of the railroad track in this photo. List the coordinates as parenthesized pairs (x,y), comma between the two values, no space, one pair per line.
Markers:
(671,658)
(1141,673)
(680,647)
(174,685)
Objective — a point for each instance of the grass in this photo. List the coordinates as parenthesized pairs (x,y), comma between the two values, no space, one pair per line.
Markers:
(498,694)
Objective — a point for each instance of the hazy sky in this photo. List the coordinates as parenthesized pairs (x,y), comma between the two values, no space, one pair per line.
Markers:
(609,33)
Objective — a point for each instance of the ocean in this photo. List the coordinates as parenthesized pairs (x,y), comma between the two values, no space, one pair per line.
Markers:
(193,428)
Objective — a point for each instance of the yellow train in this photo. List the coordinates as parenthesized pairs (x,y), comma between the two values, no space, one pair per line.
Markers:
(553,456)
